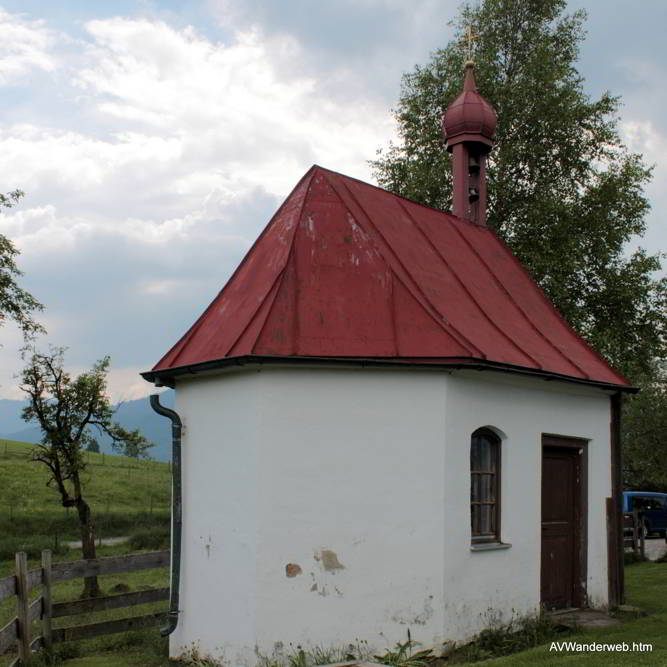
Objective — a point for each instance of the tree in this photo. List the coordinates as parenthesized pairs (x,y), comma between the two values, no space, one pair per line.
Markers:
(564,192)
(644,429)
(15,303)
(66,409)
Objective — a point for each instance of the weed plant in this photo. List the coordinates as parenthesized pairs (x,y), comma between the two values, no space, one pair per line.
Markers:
(298,656)
(505,639)
(404,656)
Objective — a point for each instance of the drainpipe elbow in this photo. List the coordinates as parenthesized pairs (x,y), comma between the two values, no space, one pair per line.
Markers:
(172,622)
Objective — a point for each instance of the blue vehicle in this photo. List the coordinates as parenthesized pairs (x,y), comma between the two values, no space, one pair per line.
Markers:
(653,508)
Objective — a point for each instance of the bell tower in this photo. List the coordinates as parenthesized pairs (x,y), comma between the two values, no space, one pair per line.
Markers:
(468,126)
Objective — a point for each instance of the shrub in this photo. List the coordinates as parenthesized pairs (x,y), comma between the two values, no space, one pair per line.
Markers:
(153,537)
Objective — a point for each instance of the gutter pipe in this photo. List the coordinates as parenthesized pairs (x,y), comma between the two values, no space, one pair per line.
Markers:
(176,512)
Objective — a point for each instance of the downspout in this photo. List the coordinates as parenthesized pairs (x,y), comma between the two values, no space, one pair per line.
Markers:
(617,492)
(176,513)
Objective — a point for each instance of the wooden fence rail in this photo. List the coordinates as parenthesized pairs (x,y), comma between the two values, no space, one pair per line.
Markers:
(18,631)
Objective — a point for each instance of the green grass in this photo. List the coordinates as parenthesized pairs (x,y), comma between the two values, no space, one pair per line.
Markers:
(646,587)
(125,495)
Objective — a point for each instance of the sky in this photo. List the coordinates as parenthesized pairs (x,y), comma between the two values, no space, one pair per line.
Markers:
(154,139)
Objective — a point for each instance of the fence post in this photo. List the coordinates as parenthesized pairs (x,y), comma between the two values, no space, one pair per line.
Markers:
(22,606)
(640,528)
(635,531)
(47,601)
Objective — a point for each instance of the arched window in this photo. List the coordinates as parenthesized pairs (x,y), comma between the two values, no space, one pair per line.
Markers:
(485,486)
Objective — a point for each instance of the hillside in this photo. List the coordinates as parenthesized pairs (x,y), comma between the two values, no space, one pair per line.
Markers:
(129,414)
(123,493)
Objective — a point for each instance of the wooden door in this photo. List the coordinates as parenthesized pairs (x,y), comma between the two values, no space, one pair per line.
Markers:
(561,527)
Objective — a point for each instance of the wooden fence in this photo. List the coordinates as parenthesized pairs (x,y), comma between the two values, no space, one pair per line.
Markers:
(19,630)
(633,532)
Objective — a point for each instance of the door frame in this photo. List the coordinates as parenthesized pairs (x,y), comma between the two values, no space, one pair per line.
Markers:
(580,564)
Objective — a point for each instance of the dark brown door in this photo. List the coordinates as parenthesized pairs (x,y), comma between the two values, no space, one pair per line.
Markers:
(561,518)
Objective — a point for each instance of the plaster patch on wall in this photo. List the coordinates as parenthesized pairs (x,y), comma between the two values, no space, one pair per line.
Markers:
(329,560)
(292,570)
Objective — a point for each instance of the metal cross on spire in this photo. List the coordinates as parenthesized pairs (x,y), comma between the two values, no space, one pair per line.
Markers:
(469,41)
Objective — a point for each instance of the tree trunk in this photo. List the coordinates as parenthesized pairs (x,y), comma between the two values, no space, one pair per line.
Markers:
(91,588)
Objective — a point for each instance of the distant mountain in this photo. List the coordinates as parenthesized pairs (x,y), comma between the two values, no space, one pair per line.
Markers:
(10,415)
(130,415)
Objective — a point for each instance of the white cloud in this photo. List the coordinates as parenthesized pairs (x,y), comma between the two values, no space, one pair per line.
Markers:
(642,136)
(228,104)
(25,46)
(195,120)
(139,208)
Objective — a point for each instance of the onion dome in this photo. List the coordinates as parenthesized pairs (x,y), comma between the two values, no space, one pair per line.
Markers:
(469,117)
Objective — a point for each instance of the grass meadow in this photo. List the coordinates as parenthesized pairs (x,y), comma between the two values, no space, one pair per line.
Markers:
(127,496)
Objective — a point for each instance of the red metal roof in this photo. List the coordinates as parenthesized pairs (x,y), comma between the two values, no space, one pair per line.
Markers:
(347,270)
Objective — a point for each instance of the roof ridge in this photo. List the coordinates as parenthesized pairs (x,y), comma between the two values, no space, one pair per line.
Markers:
(283,271)
(448,214)
(440,320)
(182,341)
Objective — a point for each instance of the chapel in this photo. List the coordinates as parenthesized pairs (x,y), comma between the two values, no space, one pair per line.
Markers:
(382,424)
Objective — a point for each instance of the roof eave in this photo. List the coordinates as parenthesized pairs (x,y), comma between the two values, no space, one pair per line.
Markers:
(165,377)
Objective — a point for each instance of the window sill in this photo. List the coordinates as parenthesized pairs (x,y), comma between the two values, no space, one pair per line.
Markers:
(489,546)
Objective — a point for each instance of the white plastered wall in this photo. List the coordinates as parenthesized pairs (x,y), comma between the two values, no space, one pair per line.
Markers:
(367,469)
(218,584)
(481,587)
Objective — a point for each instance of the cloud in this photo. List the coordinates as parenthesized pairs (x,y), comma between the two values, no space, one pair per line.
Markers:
(25,45)
(129,229)
(229,104)
(645,136)
(356,46)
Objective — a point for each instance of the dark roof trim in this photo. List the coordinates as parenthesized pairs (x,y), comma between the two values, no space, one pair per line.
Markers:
(166,376)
